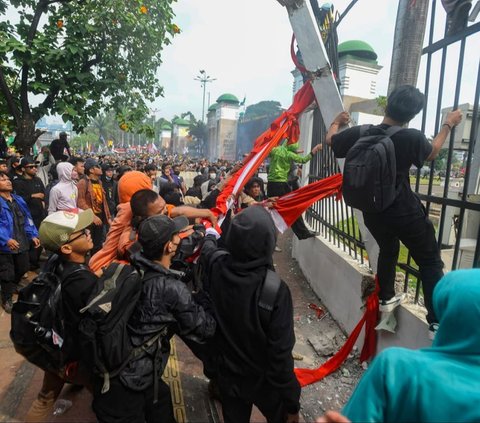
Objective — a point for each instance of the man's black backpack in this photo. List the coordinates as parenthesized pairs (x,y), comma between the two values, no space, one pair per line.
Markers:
(104,340)
(369,175)
(38,327)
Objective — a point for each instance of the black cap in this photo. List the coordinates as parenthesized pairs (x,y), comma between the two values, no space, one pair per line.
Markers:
(25,161)
(107,166)
(156,231)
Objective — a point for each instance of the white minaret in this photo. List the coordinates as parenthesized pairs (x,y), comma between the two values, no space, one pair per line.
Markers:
(358,69)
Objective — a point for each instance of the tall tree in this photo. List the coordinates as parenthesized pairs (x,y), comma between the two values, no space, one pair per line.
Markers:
(408,42)
(80,56)
(104,125)
(262,109)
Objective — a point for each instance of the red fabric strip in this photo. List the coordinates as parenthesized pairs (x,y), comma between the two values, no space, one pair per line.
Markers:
(301,68)
(308,376)
(291,206)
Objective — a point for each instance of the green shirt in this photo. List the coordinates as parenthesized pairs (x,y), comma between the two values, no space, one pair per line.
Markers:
(280,160)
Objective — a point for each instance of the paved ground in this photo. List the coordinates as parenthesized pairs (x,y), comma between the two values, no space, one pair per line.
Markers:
(20,381)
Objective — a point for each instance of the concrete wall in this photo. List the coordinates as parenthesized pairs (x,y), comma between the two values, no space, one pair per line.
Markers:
(336,279)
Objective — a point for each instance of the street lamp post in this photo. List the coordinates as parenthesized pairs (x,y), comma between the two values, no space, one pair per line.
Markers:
(204,79)
(154,119)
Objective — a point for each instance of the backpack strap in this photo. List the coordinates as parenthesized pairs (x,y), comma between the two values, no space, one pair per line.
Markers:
(134,354)
(107,286)
(393,130)
(268,294)
(364,129)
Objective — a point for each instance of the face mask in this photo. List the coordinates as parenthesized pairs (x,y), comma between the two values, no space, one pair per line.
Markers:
(213,175)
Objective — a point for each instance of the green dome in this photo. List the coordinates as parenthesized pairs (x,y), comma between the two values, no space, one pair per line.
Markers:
(357,48)
(166,125)
(228,98)
(213,107)
(181,122)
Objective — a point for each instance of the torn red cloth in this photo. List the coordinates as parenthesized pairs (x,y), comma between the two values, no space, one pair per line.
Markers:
(308,376)
(291,206)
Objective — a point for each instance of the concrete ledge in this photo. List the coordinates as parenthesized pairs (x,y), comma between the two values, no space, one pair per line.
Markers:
(336,278)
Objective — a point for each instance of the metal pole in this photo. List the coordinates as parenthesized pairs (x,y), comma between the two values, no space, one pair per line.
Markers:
(203,103)
(204,78)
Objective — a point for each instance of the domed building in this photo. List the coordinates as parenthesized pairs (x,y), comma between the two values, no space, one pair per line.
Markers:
(358,70)
(180,132)
(166,136)
(222,122)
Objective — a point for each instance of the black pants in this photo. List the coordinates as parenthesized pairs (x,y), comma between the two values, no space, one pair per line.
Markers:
(98,236)
(267,400)
(12,268)
(122,405)
(418,235)
(34,256)
(277,189)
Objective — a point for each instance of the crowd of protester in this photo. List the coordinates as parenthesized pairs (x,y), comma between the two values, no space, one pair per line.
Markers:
(89,216)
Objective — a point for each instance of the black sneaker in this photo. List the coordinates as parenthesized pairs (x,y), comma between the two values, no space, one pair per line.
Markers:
(309,234)
(213,390)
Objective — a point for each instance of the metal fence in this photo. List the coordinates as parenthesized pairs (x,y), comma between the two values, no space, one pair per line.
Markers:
(450,186)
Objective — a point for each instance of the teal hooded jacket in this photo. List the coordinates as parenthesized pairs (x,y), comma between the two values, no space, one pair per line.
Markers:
(436,384)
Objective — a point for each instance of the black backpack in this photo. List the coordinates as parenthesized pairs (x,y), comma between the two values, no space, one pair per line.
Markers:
(105,340)
(37,326)
(369,175)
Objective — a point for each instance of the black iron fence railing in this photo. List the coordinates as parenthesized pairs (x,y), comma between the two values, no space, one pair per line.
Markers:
(449,187)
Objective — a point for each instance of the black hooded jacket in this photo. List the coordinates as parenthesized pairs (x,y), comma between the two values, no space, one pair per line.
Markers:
(250,355)
(165,301)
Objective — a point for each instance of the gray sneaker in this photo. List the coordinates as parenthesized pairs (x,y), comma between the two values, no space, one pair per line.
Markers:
(432,330)
(391,304)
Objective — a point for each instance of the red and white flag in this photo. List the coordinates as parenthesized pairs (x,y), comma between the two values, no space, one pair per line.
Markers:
(285,126)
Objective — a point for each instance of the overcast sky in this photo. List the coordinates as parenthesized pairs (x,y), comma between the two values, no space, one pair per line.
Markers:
(245,44)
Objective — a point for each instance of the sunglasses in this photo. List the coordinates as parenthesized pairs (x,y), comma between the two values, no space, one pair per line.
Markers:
(83,232)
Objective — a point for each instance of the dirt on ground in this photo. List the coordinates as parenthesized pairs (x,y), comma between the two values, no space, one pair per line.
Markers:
(317,339)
